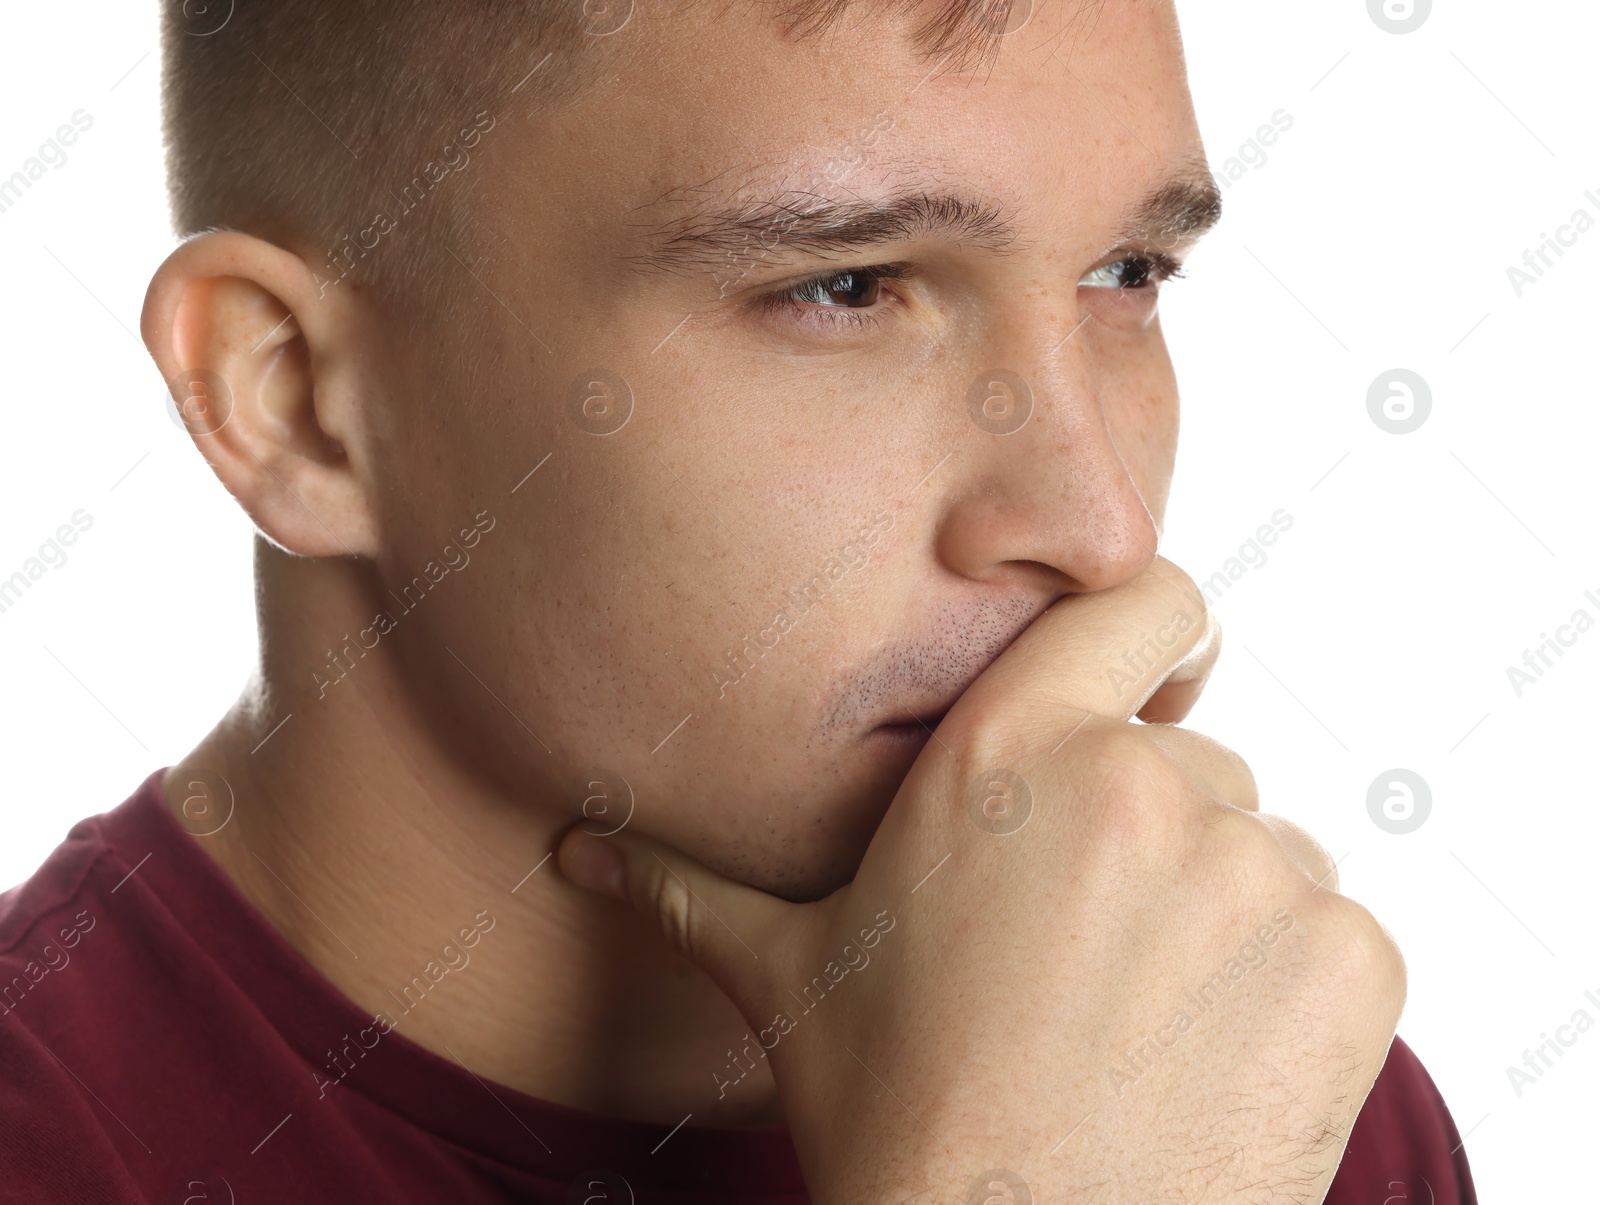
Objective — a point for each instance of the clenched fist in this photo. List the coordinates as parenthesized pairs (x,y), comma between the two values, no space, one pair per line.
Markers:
(1076,965)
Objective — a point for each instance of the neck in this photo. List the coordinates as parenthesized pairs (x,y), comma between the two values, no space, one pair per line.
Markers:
(362,838)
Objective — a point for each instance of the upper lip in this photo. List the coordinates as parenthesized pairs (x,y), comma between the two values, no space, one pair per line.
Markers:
(927,708)
(917,679)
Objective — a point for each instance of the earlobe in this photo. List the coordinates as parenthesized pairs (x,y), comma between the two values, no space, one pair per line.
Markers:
(267,379)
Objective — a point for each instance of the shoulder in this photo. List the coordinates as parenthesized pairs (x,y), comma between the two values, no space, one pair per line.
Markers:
(44,919)
(55,1146)
(1404,1148)
(55,996)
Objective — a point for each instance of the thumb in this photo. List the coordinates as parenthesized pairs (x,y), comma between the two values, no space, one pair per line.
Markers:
(735,933)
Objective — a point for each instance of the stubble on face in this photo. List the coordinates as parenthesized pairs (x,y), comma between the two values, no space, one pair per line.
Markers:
(634,559)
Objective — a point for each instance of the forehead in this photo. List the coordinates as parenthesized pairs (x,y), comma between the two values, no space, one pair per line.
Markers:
(718,112)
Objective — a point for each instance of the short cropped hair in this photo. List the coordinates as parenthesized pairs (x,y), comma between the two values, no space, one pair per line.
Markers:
(333,127)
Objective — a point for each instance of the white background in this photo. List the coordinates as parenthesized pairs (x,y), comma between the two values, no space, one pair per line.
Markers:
(1377,235)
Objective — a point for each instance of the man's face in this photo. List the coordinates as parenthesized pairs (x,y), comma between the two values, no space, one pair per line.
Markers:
(829,479)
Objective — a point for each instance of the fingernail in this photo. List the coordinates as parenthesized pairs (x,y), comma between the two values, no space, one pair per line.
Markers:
(593,864)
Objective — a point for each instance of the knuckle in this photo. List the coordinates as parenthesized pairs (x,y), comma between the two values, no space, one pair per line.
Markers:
(1365,951)
(979,743)
(1237,786)
(1239,853)
(673,905)
(1232,772)
(1351,974)
(1226,756)
(988,756)
(1129,790)
(1309,854)
(1118,751)
(1245,779)
(1250,844)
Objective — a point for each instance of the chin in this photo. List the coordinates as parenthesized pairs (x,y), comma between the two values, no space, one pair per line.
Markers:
(809,860)
(821,881)
(806,883)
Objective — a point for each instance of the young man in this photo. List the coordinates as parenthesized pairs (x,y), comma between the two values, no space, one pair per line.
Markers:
(744,432)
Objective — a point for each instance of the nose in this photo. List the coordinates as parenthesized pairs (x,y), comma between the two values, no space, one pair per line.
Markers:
(1040,487)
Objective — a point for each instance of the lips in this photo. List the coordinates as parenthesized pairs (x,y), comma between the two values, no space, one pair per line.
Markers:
(909,731)
(924,723)
(906,683)
(914,703)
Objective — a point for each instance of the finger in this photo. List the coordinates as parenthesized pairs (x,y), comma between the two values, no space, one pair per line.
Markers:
(1105,652)
(724,928)
(1220,772)
(1176,697)
(1304,850)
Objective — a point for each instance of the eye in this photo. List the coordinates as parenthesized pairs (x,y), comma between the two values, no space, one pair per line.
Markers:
(856,288)
(850,297)
(1134,272)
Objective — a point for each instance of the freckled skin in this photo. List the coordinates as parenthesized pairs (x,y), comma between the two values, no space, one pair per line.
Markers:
(622,569)
(754,452)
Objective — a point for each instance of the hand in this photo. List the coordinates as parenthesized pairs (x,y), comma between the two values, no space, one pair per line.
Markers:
(1075,965)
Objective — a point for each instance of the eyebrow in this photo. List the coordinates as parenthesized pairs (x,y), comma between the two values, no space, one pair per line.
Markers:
(809,224)
(1179,211)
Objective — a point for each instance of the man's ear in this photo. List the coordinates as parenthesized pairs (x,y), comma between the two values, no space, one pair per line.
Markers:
(267,377)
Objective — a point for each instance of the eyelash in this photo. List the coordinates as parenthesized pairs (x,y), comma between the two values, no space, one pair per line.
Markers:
(791,298)
(1157,266)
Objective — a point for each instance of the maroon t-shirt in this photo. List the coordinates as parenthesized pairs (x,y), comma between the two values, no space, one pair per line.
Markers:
(159,1041)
